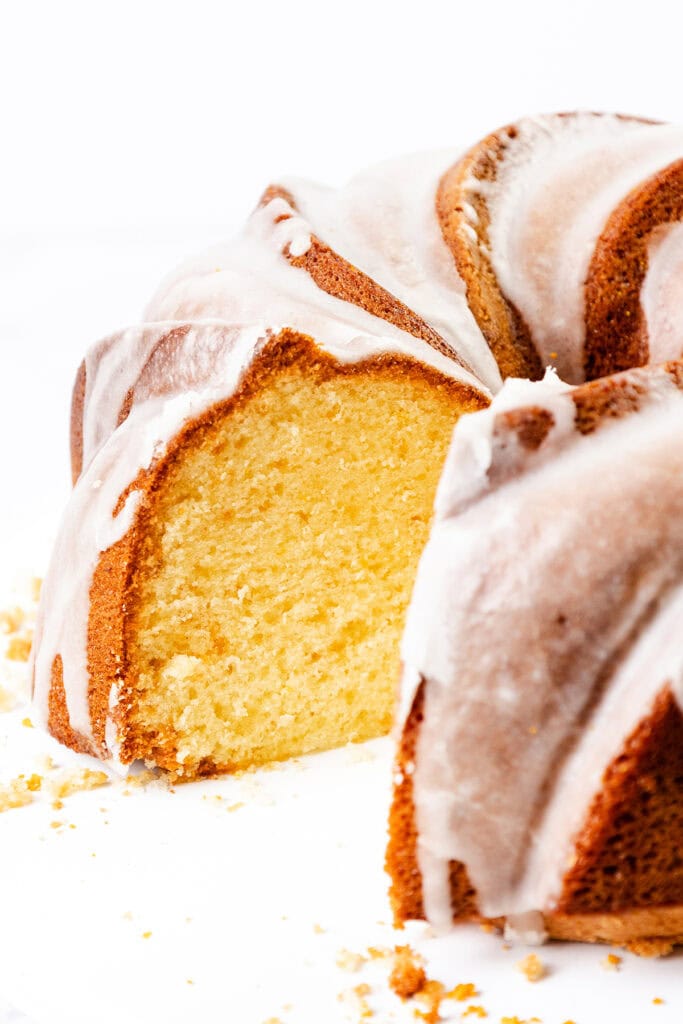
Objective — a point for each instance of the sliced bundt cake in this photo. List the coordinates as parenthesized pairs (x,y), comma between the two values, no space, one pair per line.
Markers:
(253,487)
(540,767)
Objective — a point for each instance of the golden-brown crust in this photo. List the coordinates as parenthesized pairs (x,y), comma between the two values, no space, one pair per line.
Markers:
(616,331)
(107,654)
(499,321)
(58,715)
(646,903)
(616,396)
(113,590)
(339,278)
(628,853)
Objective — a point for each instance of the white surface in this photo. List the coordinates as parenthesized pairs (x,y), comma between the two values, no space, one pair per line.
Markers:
(250,888)
(132,135)
(147,110)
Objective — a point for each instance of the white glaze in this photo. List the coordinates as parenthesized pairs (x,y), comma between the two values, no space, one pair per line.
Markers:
(523,595)
(89,525)
(384,222)
(558,184)
(248,282)
(661,296)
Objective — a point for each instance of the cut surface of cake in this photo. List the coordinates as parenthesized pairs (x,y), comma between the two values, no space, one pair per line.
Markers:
(539,775)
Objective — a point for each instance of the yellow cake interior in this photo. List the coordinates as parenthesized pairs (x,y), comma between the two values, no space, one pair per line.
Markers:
(278,564)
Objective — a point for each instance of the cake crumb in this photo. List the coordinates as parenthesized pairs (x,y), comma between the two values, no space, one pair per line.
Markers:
(15,794)
(56,824)
(463,992)
(407,976)
(532,967)
(77,782)
(349,961)
(44,764)
(657,1001)
(57,805)
(431,995)
(19,647)
(36,586)
(11,620)
(147,935)
(27,723)
(379,952)
(474,1011)
(531,1020)
(8,700)
(357,996)
(34,783)
(235,807)
(142,778)
(612,962)
(318,929)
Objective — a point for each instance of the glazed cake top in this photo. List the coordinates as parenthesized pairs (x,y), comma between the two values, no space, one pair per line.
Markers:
(544,622)
(558,182)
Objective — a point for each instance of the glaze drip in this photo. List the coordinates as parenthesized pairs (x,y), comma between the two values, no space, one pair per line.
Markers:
(537,667)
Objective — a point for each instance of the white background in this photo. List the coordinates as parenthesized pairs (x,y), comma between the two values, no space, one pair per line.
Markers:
(133,133)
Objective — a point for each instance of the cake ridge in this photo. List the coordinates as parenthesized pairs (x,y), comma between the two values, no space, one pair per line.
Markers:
(621,598)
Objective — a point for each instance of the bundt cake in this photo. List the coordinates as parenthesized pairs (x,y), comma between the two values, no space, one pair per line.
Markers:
(254,471)
(540,768)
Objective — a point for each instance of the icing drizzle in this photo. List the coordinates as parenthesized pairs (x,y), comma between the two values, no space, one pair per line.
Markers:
(203,329)
(555,189)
